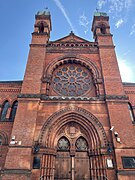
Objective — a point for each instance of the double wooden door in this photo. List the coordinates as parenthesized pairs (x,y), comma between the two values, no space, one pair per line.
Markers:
(72,167)
(74,161)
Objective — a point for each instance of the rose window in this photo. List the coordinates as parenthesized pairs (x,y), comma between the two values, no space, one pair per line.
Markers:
(72,80)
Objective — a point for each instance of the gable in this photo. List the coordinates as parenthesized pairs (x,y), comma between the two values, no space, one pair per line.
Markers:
(71,38)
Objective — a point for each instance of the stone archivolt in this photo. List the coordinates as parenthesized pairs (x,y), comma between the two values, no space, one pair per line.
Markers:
(83,120)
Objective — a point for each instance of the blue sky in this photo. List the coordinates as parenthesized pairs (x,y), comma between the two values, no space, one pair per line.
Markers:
(17,24)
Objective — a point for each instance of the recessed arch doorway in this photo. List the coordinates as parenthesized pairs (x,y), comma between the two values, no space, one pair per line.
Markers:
(74,143)
(75,158)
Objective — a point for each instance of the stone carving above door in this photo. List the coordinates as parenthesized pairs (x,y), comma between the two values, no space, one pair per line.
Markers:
(72,130)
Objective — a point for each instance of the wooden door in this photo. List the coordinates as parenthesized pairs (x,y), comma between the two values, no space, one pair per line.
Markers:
(82,166)
(63,166)
(63,160)
(82,170)
(78,166)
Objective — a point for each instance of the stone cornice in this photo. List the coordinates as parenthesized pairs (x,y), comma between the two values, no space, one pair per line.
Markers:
(16,171)
(6,121)
(40,34)
(11,82)
(38,45)
(60,98)
(83,51)
(130,92)
(126,172)
(116,97)
(29,96)
(128,84)
(83,47)
(73,44)
(66,98)
(11,90)
(106,46)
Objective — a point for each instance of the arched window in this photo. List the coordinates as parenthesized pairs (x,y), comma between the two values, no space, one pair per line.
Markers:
(13,111)
(41,28)
(63,144)
(0,140)
(131,112)
(103,29)
(81,144)
(4,110)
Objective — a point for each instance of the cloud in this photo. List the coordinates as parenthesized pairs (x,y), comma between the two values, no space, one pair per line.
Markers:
(101,3)
(119,23)
(62,9)
(116,5)
(128,3)
(119,5)
(126,71)
(119,9)
(132,29)
(83,21)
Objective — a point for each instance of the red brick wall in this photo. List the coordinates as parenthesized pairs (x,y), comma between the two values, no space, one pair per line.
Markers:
(8,91)
(33,112)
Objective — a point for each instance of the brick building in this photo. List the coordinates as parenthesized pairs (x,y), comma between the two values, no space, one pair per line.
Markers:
(71,118)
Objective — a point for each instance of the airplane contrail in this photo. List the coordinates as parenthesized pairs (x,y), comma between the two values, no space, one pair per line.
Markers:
(62,9)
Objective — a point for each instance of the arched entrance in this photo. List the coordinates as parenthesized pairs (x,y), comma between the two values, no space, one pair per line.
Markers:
(73,148)
(75,159)
(72,163)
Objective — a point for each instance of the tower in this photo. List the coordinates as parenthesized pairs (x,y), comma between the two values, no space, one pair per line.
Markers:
(70,109)
(116,100)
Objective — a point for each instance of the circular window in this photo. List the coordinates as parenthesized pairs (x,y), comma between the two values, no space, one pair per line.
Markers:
(71,80)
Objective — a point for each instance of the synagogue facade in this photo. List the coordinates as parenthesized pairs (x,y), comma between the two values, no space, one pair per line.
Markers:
(71,117)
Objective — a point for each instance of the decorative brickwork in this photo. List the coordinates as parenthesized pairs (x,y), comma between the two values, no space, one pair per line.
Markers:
(75,118)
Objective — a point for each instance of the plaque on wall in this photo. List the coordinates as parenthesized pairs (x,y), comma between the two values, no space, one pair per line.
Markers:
(36,163)
(128,162)
(109,163)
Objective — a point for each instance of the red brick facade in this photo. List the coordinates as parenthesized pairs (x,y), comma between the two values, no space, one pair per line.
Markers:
(75,118)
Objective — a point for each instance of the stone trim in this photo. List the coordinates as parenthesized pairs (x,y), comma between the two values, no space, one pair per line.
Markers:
(126,172)
(85,47)
(62,98)
(29,96)
(11,82)
(10,90)
(85,98)
(84,51)
(106,46)
(130,92)
(37,45)
(6,120)
(16,171)
(67,98)
(72,44)
(52,122)
(128,84)
(40,34)
(42,16)
(116,97)
(73,58)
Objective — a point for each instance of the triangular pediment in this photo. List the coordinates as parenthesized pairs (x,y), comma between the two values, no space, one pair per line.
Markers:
(71,38)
